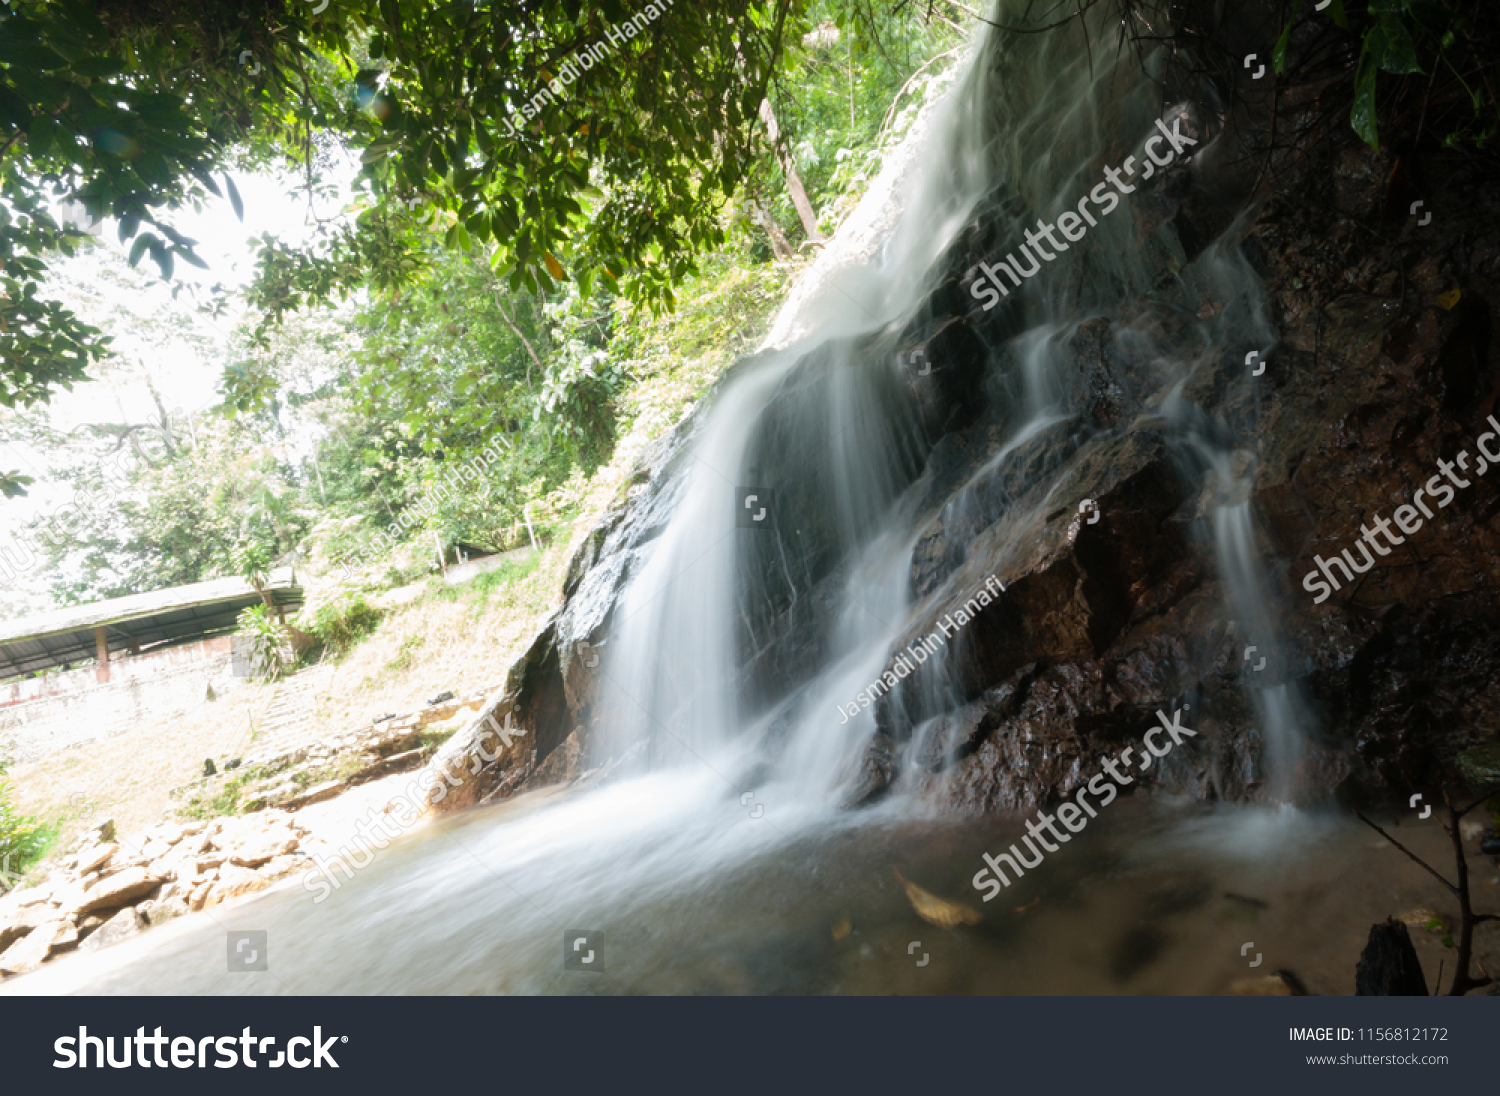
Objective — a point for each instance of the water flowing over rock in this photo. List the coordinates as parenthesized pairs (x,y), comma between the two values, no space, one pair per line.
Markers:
(1148,444)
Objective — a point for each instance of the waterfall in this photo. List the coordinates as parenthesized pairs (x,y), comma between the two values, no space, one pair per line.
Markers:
(821,435)
(790,555)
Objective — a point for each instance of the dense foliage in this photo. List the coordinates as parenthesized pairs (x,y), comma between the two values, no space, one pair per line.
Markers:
(344,430)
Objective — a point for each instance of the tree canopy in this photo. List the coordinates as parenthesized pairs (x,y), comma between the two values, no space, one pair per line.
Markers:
(482,120)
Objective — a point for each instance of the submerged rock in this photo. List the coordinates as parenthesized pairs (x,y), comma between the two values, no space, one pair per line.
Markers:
(1389,967)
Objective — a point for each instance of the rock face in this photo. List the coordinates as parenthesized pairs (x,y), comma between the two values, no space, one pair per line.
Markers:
(1101,526)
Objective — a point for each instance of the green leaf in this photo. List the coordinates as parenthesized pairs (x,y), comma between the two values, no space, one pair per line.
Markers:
(99,66)
(14,110)
(162,256)
(1399,55)
(234,198)
(143,241)
(23,55)
(1362,112)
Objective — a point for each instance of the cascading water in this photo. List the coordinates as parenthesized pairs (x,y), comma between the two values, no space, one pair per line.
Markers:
(719,862)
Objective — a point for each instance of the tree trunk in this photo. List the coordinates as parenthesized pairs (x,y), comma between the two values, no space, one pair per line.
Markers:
(789,169)
(778,238)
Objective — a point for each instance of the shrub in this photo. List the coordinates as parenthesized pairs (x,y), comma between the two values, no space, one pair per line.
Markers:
(22,839)
(270,646)
(344,621)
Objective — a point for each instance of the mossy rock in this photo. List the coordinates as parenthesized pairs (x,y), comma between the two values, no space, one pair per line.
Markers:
(1480,766)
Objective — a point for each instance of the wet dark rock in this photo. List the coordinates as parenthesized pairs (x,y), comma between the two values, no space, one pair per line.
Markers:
(873,778)
(1389,967)
(442,697)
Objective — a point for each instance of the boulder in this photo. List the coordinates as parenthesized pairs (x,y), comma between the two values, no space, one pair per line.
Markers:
(116,890)
(32,950)
(1389,967)
(25,920)
(121,926)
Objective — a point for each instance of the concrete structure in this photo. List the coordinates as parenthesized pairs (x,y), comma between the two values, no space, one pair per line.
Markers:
(40,715)
(148,657)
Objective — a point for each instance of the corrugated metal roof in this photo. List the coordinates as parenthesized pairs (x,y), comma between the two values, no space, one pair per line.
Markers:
(178,614)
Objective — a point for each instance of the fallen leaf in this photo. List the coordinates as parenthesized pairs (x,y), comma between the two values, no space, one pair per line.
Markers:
(1424,918)
(1450,298)
(843,929)
(937,911)
(1029,906)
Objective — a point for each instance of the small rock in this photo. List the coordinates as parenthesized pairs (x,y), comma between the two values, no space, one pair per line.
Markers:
(263,847)
(123,925)
(232,882)
(98,834)
(209,769)
(232,764)
(168,833)
(154,850)
(282,866)
(163,909)
(199,895)
(94,857)
(442,697)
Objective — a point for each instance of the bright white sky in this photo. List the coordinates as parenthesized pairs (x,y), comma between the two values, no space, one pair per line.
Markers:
(178,368)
